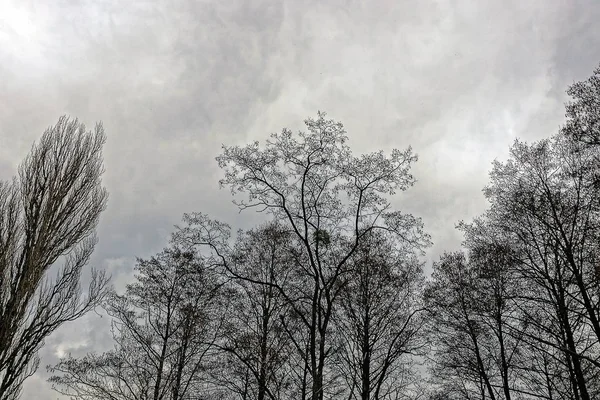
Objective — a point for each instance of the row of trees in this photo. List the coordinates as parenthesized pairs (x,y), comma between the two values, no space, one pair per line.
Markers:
(328,298)
(517,315)
(324,301)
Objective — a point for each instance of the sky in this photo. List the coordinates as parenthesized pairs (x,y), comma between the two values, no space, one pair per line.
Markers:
(173,80)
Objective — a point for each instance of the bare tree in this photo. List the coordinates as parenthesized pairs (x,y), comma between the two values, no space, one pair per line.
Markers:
(461,363)
(329,199)
(546,204)
(49,211)
(531,280)
(583,112)
(164,328)
(258,354)
(470,301)
(379,321)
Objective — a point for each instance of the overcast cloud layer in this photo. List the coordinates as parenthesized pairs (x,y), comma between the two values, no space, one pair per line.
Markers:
(173,80)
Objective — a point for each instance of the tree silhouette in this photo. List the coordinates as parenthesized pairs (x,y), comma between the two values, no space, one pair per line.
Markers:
(48,212)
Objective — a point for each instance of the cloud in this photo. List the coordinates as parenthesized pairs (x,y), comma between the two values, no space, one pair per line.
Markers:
(172,81)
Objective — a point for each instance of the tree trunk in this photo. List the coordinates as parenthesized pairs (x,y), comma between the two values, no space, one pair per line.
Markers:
(572,349)
(505,382)
(262,374)
(366,359)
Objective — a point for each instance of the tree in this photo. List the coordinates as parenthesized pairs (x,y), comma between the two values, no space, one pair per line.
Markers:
(379,320)
(330,200)
(48,212)
(480,325)
(544,201)
(460,362)
(257,350)
(533,271)
(583,112)
(164,328)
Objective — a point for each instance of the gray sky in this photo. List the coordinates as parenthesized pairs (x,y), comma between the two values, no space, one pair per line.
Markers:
(173,80)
